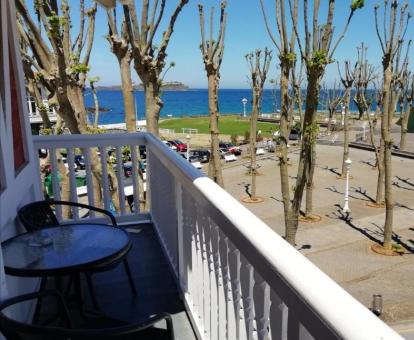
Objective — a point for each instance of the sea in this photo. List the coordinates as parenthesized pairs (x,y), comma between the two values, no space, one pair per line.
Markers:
(191,102)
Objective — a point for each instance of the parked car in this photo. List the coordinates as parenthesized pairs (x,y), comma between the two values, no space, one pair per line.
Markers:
(294,134)
(143,151)
(203,155)
(80,162)
(235,150)
(128,167)
(181,147)
(223,152)
(194,160)
(171,146)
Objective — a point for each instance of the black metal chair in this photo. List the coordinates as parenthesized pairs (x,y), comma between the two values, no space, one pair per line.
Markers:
(39,214)
(66,329)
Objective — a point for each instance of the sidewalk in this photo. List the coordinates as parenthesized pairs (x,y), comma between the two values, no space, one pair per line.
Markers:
(339,246)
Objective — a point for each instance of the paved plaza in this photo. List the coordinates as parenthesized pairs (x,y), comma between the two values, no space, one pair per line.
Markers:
(338,245)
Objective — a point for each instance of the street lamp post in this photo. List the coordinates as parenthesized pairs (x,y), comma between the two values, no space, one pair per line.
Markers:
(364,126)
(244,101)
(188,137)
(346,209)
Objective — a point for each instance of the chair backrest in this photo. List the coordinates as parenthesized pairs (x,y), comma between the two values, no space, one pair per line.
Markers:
(37,215)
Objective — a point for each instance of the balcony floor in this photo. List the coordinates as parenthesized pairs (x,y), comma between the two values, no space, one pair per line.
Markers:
(157,291)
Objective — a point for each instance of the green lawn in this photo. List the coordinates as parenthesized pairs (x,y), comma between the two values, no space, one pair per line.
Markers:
(229,125)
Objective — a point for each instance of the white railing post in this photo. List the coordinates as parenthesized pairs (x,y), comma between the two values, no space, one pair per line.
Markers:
(233,319)
(278,317)
(261,294)
(246,311)
(180,238)
(224,299)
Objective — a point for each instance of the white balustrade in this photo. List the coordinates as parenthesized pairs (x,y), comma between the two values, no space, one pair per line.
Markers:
(239,279)
(98,164)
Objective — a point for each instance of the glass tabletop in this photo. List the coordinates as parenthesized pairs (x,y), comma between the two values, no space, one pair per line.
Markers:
(64,249)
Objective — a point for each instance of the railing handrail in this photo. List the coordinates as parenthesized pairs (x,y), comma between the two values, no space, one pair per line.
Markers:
(181,168)
(83,140)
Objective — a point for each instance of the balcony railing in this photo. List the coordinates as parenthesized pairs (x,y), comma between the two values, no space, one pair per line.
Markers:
(239,279)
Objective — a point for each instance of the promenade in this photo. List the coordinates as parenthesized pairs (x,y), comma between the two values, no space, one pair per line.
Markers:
(338,245)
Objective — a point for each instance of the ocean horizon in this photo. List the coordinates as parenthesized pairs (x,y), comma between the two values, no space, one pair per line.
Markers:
(190,102)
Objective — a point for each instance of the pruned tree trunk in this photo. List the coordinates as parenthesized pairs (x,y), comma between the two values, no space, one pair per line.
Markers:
(393,74)
(149,59)
(96,101)
(253,143)
(153,105)
(387,141)
(406,108)
(214,166)
(257,76)
(212,52)
(307,161)
(404,129)
(309,187)
(128,95)
(379,196)
(347,100)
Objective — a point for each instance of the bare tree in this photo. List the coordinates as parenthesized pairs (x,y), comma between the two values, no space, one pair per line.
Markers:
(258,74)
(149,59)
(333,99)
(347,79)
(317,49)
(212,52)
(119,43)
(364,76)
(61,66)
(287,59)
(391,42)
(406,106)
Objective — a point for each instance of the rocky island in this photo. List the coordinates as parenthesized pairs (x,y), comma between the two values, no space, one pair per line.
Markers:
(167,86)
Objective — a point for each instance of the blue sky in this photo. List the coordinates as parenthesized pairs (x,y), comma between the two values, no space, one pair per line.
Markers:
(245,32)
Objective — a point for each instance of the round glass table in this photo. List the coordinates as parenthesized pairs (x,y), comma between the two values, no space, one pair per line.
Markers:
(64,250)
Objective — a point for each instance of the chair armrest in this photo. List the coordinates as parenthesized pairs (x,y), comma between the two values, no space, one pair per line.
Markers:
(86,206)
(123,331)
(153,320)
(38,295)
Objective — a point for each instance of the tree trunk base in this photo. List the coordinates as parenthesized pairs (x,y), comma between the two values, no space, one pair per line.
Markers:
(252,199)
(288,164)
(249,173)
(310,219)
(395,250)
(375,205)
(344,177)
